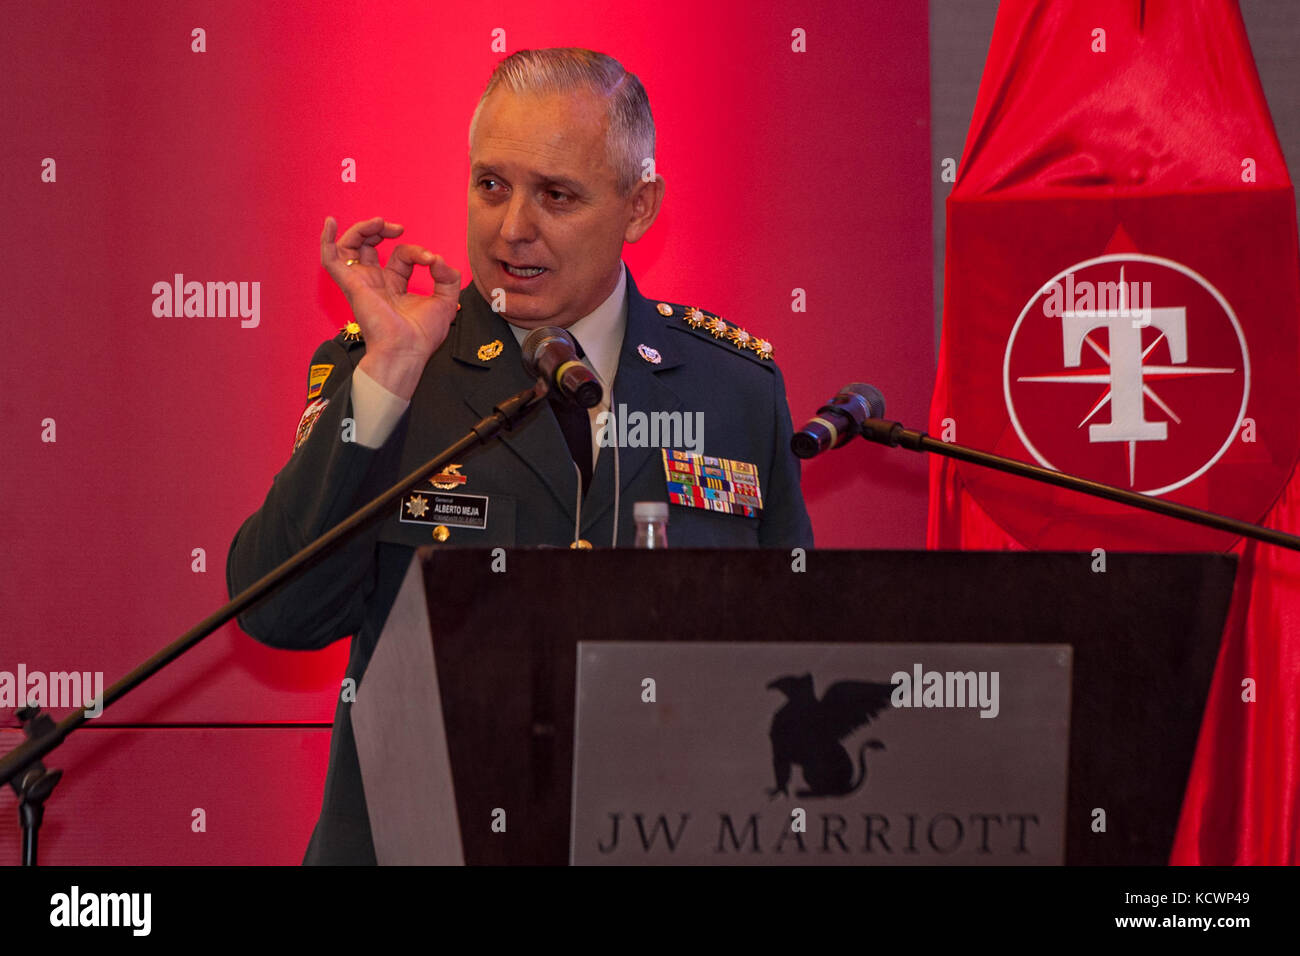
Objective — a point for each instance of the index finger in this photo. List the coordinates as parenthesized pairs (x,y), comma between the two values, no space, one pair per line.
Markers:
(370,232)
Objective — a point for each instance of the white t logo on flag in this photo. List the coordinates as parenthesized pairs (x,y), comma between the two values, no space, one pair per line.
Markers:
(1135,353)
(1127,421)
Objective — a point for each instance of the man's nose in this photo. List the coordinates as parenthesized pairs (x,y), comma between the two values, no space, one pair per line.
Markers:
(518,224)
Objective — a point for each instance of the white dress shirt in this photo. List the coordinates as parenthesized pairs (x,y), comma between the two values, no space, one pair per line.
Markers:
(376,410)
(601,336)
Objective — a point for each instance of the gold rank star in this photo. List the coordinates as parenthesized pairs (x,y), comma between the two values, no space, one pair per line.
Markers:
(720,329)
(739,336)
(417,506)
(351,332)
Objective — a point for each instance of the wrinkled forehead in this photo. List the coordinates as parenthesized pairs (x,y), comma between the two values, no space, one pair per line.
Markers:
(547,133)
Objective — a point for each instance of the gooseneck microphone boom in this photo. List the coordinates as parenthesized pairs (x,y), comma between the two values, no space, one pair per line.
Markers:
(860,409)
(839,420)
(551,354)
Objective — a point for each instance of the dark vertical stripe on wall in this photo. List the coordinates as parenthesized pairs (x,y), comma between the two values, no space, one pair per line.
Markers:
(1274,30)
(959,43)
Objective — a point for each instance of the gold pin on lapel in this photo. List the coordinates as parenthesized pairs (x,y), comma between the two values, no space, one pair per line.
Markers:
(448,478)
(487,353)
(664,309)
(351,332)
(650,355)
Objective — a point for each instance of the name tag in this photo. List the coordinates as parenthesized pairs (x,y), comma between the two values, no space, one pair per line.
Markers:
(454,511)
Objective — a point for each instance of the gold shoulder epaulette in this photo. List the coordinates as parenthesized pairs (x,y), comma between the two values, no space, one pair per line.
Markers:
(720,329)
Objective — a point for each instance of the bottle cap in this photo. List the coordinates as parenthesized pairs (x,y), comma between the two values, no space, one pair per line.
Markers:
(650,511)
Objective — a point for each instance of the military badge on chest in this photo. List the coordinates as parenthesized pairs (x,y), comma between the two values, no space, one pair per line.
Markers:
(441,510)
(714,484)
(449,478)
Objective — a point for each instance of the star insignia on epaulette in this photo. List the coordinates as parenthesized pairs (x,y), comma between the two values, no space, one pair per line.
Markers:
(351,332)
(720,329)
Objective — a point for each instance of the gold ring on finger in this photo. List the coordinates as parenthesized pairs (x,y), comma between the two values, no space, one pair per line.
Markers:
(353,261)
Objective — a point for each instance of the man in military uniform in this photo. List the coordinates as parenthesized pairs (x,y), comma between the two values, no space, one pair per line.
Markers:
(557,149)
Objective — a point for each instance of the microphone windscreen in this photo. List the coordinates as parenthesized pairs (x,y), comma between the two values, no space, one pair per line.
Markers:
(537,340)
(873,397)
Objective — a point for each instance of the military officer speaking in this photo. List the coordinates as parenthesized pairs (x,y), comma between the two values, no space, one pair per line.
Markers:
(558,146)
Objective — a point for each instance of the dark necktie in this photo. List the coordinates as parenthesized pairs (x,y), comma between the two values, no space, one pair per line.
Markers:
(576,425)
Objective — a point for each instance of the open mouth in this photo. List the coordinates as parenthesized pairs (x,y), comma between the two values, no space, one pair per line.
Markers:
(521,271)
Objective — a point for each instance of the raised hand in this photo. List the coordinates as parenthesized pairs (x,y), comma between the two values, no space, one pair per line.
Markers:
(402,329)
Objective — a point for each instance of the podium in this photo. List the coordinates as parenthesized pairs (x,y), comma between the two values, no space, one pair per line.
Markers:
(465,718)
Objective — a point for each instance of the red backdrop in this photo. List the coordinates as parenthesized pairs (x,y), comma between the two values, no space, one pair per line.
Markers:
(785,170)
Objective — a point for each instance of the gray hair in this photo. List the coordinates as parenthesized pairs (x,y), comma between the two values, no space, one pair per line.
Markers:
(630,138)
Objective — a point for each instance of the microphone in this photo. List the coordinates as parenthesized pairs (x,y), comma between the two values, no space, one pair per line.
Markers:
(551,354)
(839,420)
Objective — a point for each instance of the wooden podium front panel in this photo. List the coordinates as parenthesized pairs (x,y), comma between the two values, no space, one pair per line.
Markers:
(1145,635)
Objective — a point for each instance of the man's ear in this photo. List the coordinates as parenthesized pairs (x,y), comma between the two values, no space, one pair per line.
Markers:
(644,203)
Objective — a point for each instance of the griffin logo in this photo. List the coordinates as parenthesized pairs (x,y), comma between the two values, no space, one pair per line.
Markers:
(808,732)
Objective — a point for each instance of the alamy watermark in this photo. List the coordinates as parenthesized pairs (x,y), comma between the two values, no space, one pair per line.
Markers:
(1121,299)
(212,300)
(922,688)
(130,910)
(52,689)
(680,430)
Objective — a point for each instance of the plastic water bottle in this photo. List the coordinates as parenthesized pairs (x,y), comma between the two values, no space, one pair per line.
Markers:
(651,524)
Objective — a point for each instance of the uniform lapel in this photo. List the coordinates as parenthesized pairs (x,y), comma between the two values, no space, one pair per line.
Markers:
(637,387)
(537,440)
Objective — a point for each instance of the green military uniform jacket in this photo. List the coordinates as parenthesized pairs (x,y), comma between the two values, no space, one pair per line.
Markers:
(528,478)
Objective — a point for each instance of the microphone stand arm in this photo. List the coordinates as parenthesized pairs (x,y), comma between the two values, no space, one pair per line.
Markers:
(893,434)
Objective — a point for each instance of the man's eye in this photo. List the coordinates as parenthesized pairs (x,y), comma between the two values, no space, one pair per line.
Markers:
(487,183)
(558,195)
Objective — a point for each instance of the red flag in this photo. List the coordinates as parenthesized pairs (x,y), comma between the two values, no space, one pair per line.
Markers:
(1122,302)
